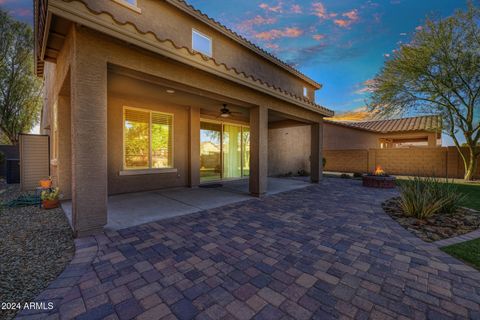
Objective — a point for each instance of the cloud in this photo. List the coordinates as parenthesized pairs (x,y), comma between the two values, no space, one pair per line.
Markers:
(295,8)
(386,55)
(318,37)
(278,8)
(350,18)
(403,34)
(279,33)
(272,46)
(247,25)
(320,11)
(21,12)
(419,28)
(365,87)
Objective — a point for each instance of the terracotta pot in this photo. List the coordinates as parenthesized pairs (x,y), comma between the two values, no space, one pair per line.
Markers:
(50,204)
(46,183)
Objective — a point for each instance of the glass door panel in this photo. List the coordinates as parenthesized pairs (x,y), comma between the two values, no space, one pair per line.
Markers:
(210,151)
(232,151)
(245,151)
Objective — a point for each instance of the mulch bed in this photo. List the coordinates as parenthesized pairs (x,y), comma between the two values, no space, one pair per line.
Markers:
(35,246)
(438,227)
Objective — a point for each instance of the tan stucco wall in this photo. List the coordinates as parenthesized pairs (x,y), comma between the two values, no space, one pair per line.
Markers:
(144,100)
(288,150)
(341,138)
(169,22)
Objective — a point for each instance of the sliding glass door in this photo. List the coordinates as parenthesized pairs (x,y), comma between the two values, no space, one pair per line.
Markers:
(224,151)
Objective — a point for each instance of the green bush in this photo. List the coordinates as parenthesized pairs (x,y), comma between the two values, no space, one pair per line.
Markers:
(423,197)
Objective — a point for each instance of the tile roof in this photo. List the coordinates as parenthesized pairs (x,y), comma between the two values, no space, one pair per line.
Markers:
(422,123)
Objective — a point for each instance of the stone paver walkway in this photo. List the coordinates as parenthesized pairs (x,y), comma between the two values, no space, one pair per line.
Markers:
(321,252)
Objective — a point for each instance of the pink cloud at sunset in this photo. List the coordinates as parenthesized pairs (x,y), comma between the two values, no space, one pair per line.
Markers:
(320,11)
(296,8)
(280,33)
(277,8)
(258,20)
(318,37)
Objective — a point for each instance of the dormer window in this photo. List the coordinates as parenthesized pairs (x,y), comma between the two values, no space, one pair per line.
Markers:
(201,43)
(305,92)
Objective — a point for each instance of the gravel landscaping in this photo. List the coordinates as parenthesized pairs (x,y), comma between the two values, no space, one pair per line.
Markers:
(439,226)
(35,246)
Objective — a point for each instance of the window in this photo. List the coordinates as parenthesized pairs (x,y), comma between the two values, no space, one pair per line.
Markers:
(305,91)
(201,43)
(147,139)
(130,4)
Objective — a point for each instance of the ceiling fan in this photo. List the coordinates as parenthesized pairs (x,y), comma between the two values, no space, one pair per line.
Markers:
(226,113)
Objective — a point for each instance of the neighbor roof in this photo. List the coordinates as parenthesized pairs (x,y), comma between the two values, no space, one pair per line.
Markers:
(422,123)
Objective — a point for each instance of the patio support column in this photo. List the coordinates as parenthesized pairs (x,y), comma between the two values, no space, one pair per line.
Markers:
(89,138)
(64,160)
(194,147)
(258,150)
(316,158)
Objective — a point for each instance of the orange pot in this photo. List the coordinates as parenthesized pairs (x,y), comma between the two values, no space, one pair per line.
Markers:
(46,183)
(50,204)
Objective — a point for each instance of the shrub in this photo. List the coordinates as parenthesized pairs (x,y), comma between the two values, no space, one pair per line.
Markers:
(423,197)
(357,175)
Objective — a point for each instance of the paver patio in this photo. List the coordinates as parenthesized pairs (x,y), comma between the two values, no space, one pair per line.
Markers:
(325,251)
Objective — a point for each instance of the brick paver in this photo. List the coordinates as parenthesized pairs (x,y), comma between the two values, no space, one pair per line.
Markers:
(325,251)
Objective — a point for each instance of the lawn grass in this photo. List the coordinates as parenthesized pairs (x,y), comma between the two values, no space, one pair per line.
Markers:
(473,195)
(468,251)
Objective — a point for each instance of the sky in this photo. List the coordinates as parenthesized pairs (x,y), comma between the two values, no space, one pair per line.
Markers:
(340,44)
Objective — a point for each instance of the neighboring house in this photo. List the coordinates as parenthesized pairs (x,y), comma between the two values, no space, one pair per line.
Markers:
(135,94)
(424,131)
(290,145)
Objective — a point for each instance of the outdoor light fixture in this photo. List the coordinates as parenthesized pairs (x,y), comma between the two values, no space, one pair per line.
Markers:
(170,91)
(225,115)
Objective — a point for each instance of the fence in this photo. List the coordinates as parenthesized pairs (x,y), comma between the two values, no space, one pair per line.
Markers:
(440,162)
(34,160)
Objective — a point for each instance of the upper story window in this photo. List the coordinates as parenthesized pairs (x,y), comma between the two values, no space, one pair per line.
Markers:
(130,4)
(305,92)
(201,43)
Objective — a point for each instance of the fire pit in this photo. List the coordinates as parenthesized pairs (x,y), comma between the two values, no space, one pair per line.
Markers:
(379,179)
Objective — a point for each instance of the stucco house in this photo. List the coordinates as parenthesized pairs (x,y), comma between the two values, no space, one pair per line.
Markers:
(149,94)
(410,132)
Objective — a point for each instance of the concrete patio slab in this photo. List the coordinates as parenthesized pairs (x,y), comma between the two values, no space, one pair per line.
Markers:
(132,209)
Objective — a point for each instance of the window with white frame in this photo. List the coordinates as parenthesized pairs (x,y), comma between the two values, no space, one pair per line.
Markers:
(305,92)
(130,4)
(201,43)
(147,139)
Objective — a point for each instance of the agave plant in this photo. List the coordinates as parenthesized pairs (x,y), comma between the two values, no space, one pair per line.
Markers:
(424,197)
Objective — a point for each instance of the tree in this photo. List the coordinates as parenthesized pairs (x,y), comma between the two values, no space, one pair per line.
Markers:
(438,72)
(20,89)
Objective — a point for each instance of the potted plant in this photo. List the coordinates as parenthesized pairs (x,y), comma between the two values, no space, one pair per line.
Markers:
(46,183)
(50,198)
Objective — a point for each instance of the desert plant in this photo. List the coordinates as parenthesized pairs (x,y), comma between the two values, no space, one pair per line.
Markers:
(51,194)
(423,197)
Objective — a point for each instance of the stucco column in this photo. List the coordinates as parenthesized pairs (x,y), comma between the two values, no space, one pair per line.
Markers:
(258,150)
(432,140)
(64,161)
(194,147)
(89,139)
(316,162)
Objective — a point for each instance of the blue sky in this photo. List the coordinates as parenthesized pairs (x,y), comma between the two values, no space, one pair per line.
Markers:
(341,44)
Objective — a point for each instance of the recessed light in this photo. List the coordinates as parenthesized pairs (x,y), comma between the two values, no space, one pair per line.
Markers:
(170,91)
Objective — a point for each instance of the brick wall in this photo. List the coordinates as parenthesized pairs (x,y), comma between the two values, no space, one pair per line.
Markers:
(438,162)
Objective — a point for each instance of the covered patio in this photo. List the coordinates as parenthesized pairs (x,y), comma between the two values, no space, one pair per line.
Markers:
(132,209)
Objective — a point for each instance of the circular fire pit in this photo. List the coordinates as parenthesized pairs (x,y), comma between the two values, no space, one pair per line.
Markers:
(374,181)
